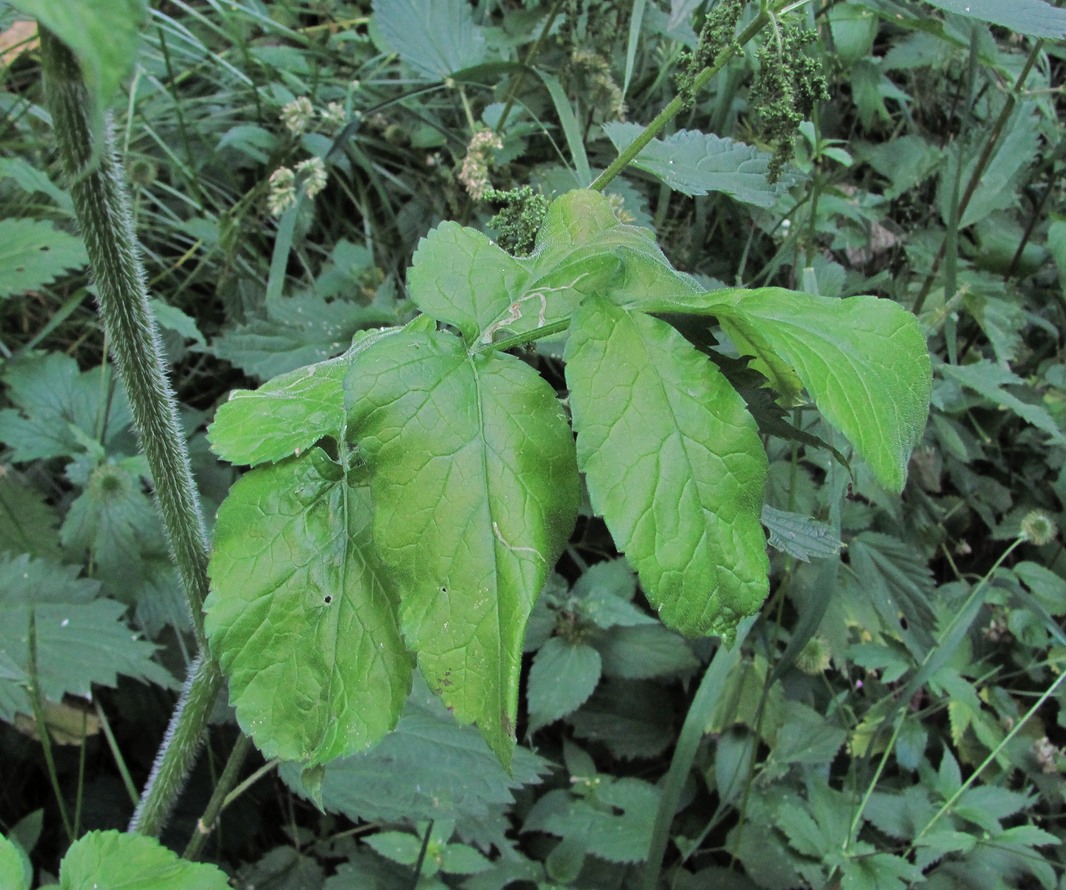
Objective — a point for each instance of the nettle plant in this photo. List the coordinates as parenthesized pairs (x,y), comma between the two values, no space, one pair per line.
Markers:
(409,498)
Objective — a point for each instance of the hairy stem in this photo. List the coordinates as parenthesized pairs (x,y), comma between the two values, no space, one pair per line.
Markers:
(180,748)
(102,208)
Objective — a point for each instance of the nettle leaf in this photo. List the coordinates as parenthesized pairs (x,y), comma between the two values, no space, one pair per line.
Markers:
(133,862)
(34,253)
(60,408)
(800,536)
(645,651)
(429,767)
(673,462)
(475,492)
(436,39)
(16,872)
(696,163)
(297,330)
(988,379)
(301,615)
(27,523)
(562,677)
(78,644)
(864,362)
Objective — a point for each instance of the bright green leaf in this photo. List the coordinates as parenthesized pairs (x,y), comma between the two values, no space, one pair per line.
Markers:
(863,360)
(673,462)
(436,39)
(459,277)
(475,493)
(561,678)
(696,163)
(133,862)
(34,253)
(16,873)
(301,616)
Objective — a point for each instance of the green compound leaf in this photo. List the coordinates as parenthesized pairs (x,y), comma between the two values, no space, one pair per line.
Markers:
(301,615)
(863,360)
(34,253)
(459,277)
(436,39)
(674,464)
(696,163)
(475,491)
(132,862)
(561,679)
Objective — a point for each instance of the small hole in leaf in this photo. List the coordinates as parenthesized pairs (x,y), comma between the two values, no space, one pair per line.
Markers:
(443,589)
(327,599)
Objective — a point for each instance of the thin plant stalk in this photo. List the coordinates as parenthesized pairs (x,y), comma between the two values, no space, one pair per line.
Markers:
(219,796)
(102,209)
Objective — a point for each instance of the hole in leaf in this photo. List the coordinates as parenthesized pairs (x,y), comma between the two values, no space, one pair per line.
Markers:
(327,599)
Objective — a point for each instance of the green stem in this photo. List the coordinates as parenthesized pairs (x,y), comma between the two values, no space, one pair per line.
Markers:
(627,155)
(102,209)
(181,745)
(219,797)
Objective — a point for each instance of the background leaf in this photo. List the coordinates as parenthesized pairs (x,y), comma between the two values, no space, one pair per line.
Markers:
(436,40)
(475,495)
(674,464)
(301,616)
(561,678)
(34,253)
(1033,17)
(696,163)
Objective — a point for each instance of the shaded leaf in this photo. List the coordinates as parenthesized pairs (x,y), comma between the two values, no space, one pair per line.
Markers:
(34,253)
(1033,17)
(644,651)
(561,678)
(436,40)
(800,536)
(673,462)
(301,616)
(27,523)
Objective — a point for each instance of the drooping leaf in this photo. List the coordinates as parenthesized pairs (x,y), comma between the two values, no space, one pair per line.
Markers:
(34,181)
(561,678)
(632,718)
(673,462)
(800,536)
(1033,17)
(34,253)
(133,862)
(436,39)
(429,767)
(301,615)
(475,494)
(863,360)
(696,163)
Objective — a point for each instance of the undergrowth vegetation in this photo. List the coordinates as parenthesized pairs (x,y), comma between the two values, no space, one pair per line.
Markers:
(629,436)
